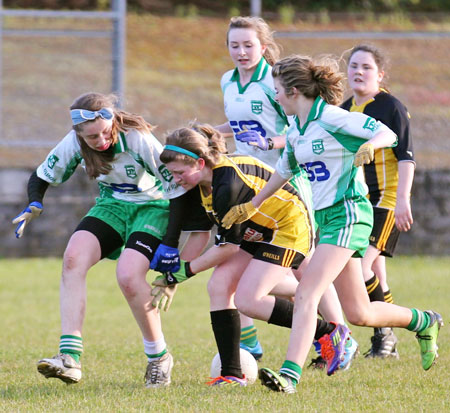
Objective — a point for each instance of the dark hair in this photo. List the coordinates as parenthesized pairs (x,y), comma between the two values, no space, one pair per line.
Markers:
(98,163)
(312,78)
(262,29)
(200,139)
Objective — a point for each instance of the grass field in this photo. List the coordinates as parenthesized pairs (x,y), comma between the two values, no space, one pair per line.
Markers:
(114,363)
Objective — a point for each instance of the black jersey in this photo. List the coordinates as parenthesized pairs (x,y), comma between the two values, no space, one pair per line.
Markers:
(382,174)
(282,220)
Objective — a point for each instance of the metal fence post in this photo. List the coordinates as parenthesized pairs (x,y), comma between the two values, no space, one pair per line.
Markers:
(118,48)
(1,71)
(255,7)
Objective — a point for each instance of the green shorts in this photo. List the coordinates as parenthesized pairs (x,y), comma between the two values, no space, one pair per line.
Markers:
(347,224)
(127,217)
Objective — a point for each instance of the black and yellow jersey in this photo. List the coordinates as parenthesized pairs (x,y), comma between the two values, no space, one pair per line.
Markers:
(382,174)
(282,220)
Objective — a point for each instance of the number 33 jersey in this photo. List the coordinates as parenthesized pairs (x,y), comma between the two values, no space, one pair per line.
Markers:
(253,107)
(325,147)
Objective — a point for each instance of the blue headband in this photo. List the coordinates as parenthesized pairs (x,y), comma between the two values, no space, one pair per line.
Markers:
(181,150)
(83,115)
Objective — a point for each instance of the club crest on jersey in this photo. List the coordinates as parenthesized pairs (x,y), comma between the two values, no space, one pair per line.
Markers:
(131,171)
(165,173)
(257,107)
(52,160)
(371,124)
(317,146)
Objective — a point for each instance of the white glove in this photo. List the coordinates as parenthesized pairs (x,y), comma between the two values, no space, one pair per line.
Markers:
(30,212)
(162,294)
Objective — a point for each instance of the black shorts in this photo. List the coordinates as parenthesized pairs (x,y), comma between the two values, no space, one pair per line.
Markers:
(112,244)
(284,257)
(384,236)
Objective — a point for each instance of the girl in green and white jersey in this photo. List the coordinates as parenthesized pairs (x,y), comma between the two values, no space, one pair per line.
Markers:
(255,119)
(127,222)
(330,144)
(258,124)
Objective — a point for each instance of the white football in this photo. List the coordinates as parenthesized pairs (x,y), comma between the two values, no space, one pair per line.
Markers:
(249,366)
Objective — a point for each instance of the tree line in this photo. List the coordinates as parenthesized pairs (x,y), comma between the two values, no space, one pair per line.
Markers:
(219,7)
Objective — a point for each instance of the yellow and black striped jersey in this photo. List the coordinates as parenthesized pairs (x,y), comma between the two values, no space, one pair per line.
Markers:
(382,174)
(282,220)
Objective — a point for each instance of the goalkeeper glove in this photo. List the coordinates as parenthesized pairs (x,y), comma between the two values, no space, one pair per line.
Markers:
(364,155)
(163,296)
(239,214)
(165,259)
(32,211)
(253,138)
(164,285)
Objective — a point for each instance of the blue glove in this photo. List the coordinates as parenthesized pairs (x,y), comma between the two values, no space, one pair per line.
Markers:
(166,259)
(253,138)
(30,212)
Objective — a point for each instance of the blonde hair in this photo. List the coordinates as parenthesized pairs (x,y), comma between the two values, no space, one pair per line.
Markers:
(201,139)
(312,78)
(263,32)
(98,163)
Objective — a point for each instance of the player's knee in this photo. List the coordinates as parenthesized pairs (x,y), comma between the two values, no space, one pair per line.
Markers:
(244,304)
(218,288)
(127,282)
(358,318)
(74,259)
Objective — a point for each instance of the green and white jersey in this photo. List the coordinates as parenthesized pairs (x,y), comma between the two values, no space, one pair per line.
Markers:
(137,174)
(254,107)
(324,147)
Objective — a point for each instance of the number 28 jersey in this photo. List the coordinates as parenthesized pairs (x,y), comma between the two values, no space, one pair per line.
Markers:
(253,107)
(325,147)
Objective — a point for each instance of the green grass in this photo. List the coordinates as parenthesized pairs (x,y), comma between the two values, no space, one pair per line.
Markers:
(114,363)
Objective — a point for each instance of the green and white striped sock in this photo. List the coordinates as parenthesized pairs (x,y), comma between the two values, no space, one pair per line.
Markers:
(291,369)
(72,345)
(420,320)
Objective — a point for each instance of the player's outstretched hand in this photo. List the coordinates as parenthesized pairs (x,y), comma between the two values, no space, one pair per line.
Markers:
(165,259)
(162,295)
(239,214)
(164,285)
(23,219)
(364,155)
(253,138)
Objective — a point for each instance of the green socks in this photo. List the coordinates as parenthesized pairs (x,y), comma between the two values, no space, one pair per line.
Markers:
(72,345)
(291,369)
(420,321)
(249,336)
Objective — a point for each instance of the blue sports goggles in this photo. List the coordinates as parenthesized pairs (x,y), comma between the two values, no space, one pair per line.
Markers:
(83,115)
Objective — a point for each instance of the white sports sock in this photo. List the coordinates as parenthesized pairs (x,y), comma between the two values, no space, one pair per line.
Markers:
(154,349)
